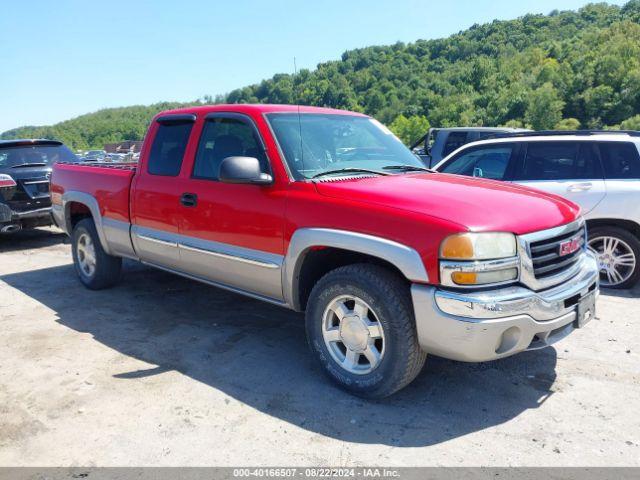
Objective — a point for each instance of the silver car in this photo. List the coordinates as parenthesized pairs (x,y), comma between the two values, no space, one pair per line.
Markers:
(598,170)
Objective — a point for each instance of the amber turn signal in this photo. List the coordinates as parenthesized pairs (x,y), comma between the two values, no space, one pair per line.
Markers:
(457,246)
(465,278)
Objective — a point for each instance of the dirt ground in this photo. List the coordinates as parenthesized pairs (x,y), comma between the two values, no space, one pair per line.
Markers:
(161,370)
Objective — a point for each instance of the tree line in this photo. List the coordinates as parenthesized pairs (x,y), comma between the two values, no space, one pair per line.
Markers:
(564,70)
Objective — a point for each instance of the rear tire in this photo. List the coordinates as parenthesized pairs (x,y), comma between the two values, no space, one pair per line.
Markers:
(95,268)
(372,351)
(618,253)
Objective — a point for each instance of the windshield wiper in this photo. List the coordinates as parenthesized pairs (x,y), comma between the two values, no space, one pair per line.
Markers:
(349,170)
(22,165)
(407,168)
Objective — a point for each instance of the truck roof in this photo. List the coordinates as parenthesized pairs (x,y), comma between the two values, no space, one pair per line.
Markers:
(260,108)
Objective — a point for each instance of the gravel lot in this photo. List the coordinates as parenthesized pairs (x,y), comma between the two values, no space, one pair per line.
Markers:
(164,371)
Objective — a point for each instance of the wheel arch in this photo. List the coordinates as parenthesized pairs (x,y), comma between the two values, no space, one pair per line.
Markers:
(629,225)
(315,251)
(79,205)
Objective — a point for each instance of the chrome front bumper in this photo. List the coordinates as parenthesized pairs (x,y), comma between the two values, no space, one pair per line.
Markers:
(486,325)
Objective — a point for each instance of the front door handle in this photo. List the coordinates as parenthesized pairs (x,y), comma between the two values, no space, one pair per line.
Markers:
(579,187)
(189,199)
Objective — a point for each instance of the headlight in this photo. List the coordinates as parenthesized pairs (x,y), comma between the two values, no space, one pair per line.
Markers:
(478,246)
(473,259)
(6,181)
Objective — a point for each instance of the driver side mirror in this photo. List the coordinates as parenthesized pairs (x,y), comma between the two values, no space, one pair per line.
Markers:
(243,170)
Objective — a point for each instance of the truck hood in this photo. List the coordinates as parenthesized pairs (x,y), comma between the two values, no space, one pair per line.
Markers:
(476,204)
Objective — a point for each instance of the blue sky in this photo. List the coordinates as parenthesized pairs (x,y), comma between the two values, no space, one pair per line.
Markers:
(65,58)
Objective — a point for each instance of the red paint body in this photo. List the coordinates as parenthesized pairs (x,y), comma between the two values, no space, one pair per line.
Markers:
(416,209)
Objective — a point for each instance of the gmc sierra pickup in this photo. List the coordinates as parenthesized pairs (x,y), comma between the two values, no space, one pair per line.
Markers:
(325,211)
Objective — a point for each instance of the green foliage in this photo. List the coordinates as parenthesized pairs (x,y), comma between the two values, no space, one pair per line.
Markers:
(409,129)
(534,70)
(544,109)
(568,124)
(632,123)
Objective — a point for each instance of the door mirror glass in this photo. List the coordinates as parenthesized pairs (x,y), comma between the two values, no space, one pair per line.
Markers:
(243,170)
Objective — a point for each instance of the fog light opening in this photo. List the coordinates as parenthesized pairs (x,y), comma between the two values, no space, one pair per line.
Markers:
(509,339)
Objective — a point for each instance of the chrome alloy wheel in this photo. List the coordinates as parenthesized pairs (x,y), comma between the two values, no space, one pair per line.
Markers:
(353,335)
(86,255)
(616,259)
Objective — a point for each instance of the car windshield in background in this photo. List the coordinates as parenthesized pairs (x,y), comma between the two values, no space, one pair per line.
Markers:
(339,144)
(36,155)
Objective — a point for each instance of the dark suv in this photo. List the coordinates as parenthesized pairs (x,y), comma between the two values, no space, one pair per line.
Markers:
(25,169)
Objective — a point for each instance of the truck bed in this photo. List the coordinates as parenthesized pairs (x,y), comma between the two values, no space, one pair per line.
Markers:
(109,184)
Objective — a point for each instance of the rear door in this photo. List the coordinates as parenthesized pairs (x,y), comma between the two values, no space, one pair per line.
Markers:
(621,162)
(232,234)
(156,207)
(570,169)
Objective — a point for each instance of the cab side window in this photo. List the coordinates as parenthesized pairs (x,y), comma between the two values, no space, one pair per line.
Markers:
(168,148)
(490,161)
(620,160)
(560,161)
(224,137)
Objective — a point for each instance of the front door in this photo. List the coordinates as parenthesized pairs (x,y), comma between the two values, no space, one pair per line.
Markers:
(233,233)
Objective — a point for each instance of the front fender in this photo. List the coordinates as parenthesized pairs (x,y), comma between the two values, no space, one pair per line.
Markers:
(405,258)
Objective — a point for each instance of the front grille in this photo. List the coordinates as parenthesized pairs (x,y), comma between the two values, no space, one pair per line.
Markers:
(546,254)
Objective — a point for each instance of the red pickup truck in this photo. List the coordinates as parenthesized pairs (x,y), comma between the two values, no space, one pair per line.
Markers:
(325,211)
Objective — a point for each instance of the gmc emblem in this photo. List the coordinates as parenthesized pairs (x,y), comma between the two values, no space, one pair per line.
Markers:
(569,246)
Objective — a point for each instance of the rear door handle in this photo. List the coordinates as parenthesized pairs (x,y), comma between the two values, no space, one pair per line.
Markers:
(189,199)
(579,187)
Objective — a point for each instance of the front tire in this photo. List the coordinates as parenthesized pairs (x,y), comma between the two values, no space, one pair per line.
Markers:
(95,268)
(618,254)
(361,328)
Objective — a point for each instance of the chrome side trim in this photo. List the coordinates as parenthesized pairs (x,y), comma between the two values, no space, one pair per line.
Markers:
(158,241)
(242,268)
(405,258)
(219,285)
(527,275)
(249,261)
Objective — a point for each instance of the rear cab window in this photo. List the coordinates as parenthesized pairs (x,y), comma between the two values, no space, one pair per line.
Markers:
(620,160)
(169,145)
(559,160)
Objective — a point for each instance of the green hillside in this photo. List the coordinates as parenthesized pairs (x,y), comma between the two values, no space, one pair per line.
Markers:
(562,70)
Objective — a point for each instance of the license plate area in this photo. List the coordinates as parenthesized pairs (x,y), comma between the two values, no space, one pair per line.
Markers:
(586,310)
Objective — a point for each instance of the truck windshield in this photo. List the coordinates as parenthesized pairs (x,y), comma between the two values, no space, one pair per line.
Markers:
(36,155)
(316,143)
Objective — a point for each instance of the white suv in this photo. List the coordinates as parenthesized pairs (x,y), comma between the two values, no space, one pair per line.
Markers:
(598,170)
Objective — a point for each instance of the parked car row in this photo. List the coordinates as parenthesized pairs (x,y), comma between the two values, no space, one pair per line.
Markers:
(102,156)
(326,212)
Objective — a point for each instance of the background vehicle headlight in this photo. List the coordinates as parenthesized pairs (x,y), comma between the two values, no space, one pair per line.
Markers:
(478,246)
